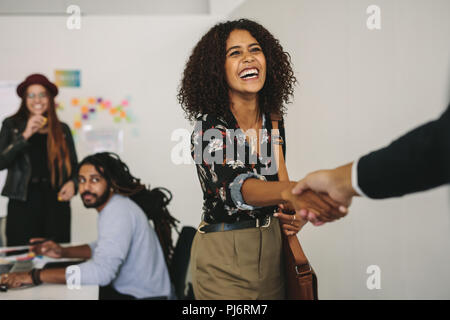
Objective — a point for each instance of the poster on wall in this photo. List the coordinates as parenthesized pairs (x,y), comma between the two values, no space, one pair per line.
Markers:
(68,78)
(103,139)
(9,103)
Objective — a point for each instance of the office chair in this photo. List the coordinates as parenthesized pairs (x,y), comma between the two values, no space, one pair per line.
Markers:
(180,263)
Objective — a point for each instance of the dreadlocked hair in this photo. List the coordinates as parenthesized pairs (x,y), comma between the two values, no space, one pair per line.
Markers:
(152,201)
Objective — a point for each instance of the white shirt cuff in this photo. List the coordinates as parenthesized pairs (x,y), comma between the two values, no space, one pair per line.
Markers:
(355,179)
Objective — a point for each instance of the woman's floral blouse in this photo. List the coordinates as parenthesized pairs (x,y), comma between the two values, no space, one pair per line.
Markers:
(225,159)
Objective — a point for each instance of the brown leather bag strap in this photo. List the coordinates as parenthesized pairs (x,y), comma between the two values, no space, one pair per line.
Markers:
(301,279)
(282,170)
(302,266)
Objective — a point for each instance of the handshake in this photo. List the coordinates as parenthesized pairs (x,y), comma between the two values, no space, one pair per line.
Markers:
(322,196)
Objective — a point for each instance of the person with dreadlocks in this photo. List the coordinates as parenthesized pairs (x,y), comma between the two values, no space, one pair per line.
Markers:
(129,260)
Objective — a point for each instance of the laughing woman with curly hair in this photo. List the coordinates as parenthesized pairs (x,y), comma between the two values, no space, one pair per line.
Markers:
(234,86)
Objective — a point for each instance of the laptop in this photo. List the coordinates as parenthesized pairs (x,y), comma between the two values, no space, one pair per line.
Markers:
(16,266)
(26,266)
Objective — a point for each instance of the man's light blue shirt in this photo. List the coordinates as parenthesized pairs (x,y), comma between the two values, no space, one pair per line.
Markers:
(127,253)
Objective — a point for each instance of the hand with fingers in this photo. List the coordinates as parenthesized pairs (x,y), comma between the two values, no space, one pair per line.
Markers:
(333,186)
(67,191)
(310,205)
(47,248)
(15,279)
(291,223)
(35,122)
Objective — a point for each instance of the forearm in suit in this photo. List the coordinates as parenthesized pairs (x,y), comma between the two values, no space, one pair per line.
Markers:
(417,161)
(9,149)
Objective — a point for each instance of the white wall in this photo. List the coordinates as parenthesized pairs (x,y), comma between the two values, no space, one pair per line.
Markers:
(118,56)
(105,7)
(358,90)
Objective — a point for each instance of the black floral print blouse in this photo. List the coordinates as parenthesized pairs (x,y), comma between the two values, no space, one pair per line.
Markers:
(224,160)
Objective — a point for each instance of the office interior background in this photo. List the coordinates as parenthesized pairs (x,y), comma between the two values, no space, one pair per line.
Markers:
(358,89)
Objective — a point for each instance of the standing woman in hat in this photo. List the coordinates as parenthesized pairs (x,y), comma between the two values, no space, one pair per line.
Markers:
(38,151)
(234,85)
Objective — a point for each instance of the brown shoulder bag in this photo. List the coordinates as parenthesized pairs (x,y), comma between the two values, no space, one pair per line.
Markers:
(301,280)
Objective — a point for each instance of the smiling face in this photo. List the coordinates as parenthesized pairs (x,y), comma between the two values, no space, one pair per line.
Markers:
(245,63)
(93,187)
(37,99)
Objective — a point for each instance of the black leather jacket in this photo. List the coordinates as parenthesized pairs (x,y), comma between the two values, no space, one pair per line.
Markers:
(14,156)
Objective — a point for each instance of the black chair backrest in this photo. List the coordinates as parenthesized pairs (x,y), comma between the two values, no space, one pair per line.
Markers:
(180,261)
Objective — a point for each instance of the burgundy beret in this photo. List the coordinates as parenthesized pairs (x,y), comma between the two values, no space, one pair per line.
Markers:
(36,79)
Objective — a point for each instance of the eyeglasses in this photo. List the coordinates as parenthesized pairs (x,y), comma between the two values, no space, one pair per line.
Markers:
(42,95)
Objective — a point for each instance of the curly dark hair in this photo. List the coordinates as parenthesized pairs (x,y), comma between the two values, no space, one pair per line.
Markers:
(204,89)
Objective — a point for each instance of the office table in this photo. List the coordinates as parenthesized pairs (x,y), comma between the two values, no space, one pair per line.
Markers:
(49,291)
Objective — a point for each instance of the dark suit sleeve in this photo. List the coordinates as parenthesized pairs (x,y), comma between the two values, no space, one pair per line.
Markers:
(417,161)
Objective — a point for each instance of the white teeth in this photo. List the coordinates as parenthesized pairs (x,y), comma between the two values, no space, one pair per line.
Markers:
(38,106)
(249,71)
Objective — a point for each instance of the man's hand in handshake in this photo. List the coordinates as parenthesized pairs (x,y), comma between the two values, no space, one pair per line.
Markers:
(300,206)
(334,185)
